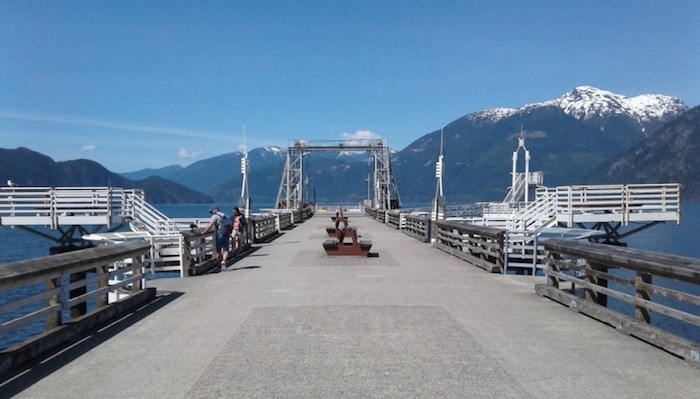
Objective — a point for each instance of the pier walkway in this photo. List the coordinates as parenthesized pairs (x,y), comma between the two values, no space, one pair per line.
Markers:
(288,321)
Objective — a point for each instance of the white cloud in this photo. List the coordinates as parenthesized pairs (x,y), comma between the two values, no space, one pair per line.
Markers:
(118,125)
(88,147)
(360,137)
(184,154)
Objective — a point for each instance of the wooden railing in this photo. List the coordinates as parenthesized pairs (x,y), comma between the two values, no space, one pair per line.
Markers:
(418,227)
(371,212)
(584,275)
(284,220)
(395,219)
(481,246)
(381,215)
(197,253)
(68,294)
(265,227)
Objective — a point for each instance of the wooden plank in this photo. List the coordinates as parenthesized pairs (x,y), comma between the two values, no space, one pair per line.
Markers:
(488,266)
(668,311)
(470,228)
(672,266)
(683,348)
(655,289)
(38,269)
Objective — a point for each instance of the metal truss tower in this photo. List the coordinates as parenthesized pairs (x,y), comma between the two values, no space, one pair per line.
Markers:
(291,190)
(290,193)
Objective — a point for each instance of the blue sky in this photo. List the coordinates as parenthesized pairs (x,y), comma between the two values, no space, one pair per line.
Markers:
(137,84)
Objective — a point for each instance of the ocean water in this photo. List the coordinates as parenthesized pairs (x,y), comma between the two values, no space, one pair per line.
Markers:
(17,244)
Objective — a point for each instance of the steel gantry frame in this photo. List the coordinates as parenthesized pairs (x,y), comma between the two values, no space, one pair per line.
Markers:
(291,190)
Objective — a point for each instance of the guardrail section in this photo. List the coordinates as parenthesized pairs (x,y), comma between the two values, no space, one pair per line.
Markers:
(418,227)
(481,246)
(584,275)
(618,203)
(68,294)
(56,206)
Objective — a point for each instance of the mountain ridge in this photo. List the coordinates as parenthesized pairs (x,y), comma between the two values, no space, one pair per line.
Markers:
(26,167)
(672,153)
(569,141)
(589,103)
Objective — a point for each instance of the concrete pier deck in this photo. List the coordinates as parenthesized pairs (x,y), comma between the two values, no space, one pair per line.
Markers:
(410,321)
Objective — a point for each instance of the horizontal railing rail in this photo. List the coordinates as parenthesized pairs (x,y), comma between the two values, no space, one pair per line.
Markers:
(645,283)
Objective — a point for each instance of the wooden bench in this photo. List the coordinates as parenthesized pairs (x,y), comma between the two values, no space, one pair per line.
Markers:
(339,247)
(338,219)
(332,232)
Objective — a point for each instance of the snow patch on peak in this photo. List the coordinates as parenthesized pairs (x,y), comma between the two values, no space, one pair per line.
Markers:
(492,115)
(586,102)
(274,149)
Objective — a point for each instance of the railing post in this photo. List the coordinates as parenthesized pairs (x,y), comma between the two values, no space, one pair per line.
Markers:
(102,272)
(640,312)
(502,260)
(54,319)
(52,211)
(184,245)
(600,299)
(551,264)
(570,207)
(81,308)
(140,283)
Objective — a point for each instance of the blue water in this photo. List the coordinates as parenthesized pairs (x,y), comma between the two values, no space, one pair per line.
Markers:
(16,244)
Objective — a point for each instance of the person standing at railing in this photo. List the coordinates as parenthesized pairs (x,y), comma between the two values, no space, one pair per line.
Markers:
(239,228)
(223,226)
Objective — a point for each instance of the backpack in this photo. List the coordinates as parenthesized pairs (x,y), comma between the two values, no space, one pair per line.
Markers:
(242,223)
(225,226)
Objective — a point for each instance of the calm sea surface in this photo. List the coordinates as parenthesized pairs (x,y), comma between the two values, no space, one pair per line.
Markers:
(16,244)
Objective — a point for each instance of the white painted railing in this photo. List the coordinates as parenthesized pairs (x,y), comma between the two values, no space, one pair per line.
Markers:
(143,216)
(618,203)
(67,206)
(56,206)
(536,214)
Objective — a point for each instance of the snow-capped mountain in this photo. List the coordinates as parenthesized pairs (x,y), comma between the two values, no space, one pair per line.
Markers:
(589,104)
(567,138)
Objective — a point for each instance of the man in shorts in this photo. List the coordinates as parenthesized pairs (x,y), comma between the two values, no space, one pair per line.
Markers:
(217,223)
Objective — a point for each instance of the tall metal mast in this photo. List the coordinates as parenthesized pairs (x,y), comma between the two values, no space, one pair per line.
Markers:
(439,205)
(521,144)
(245,195)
